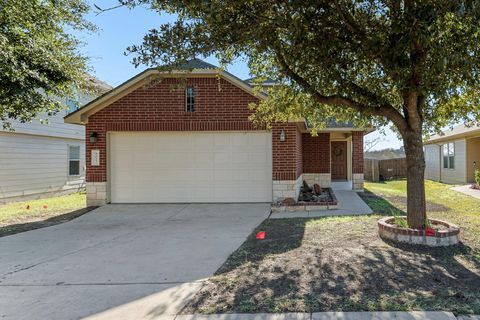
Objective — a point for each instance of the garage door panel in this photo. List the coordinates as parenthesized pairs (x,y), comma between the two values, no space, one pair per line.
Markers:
(203,177)
(190,167)
(203,160)
(222,159)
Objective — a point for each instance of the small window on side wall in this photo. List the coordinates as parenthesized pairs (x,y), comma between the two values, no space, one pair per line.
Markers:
(190,99)
(73,160)
(449,155)
(72,105)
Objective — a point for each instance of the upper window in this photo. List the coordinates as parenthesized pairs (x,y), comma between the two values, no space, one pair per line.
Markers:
(72,105)
(73,102)
(190,99)
(449,155)
(73,160)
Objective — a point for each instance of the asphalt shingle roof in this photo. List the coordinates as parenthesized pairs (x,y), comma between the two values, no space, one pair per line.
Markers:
(195,64)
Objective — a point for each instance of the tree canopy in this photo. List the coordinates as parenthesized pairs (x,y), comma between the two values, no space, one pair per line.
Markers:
(413,63)
(39,57)
(352,59)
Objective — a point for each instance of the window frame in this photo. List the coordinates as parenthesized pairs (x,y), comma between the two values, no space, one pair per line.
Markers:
(72,105)
(69,160)
(73,101)
(448,155)
(190,105)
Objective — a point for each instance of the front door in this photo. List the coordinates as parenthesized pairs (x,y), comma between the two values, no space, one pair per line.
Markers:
(339,160)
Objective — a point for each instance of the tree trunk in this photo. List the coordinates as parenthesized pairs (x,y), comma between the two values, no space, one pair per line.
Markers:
(416,205)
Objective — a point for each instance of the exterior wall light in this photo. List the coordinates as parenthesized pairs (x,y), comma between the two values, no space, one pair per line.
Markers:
(282,135)
(93,137)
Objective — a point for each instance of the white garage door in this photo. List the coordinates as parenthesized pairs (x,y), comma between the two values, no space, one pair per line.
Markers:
(150,167)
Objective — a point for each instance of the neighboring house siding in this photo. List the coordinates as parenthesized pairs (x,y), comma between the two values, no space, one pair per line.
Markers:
(432,162)
(473,158)
(219,105)
(34,157)
(32,165)
(459,173)
(54,127)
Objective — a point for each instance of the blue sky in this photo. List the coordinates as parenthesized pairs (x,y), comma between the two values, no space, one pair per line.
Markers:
(122,27)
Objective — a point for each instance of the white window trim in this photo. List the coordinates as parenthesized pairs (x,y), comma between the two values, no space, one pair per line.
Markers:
(79,161)
(186,99)
(448,145)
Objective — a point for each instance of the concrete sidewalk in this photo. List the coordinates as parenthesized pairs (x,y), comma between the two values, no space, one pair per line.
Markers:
(468,191)
(349,203)
(414,315)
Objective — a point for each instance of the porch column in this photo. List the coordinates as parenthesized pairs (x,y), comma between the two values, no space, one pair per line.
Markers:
(357,160)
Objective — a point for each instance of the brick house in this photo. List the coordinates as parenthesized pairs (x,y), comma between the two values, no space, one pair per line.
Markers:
(185,136)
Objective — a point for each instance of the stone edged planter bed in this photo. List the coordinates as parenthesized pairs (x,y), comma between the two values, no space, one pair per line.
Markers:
(329,204)
(447,235)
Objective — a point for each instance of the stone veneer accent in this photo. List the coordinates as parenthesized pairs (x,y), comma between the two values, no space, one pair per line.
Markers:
(322,179)
(446,237)
(307,206)
(286,189)
(96,193)
(357,181)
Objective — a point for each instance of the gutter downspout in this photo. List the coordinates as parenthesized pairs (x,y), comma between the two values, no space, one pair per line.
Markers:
(440,164)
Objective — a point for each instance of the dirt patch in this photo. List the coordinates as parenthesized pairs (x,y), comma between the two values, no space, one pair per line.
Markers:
(339,264)
(32,224)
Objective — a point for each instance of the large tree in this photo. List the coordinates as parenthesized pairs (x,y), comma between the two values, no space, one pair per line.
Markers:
(413,63)
(39,58)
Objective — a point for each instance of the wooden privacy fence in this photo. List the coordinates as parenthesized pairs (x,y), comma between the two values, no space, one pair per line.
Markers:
(385,169)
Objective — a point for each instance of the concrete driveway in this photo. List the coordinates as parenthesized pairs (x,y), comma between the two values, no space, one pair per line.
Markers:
(120,261)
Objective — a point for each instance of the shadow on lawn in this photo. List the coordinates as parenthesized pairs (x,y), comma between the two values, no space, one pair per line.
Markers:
(27,226)
(340,265)
(383,205)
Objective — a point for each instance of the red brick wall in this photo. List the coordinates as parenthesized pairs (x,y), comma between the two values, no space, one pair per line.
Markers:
(299,153)
(162,108)
(316,153)
(287,155)
(357,152)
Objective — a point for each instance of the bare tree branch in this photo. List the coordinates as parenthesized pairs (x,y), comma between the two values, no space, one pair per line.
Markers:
(369,144)
(101,10)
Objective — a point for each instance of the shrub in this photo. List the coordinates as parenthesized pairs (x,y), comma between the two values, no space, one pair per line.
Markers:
(399,221)
(477,177)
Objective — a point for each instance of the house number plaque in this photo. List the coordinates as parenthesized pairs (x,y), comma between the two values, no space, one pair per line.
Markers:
(95,157)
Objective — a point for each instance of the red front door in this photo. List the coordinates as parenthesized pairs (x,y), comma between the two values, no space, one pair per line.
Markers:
(339,160)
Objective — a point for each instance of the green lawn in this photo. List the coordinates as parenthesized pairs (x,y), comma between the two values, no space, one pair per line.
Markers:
(22,216)
(340,263)
(442,203)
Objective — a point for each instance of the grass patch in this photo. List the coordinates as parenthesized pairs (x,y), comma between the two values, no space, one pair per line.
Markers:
(33,214)
(340,263)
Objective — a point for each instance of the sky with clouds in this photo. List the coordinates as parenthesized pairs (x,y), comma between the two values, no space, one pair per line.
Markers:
(122,27)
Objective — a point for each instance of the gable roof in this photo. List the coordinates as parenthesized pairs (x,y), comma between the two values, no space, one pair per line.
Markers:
(193,68)
(458,132)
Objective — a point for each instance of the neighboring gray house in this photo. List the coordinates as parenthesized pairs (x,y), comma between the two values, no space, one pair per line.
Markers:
(453,156)
(38,159)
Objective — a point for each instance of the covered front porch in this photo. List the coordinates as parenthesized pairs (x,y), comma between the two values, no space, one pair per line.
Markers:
(330,158)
